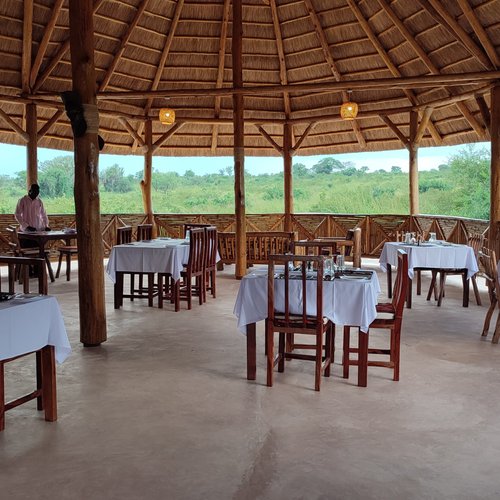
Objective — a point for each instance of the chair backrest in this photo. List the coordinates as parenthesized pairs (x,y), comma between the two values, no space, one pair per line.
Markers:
(401,284)
(22,265)
(211,246)
(13,238)
(123,235)
(476,241)
(144,232)
(302,317)
(193,225)
(488,262)
(197,247)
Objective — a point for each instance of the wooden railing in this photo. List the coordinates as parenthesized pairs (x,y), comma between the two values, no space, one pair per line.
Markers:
(376,229)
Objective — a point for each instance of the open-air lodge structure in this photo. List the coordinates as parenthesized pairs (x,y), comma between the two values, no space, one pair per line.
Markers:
(247,77)
(262,78)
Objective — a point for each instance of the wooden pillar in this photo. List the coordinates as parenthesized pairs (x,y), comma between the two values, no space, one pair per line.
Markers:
(31,146)
(146,182)
(413,174)
(288,177)
(239,144)
(494,231)
(88,223)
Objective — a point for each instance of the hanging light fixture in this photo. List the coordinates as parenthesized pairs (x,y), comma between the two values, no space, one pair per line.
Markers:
(349,109)
(167,116)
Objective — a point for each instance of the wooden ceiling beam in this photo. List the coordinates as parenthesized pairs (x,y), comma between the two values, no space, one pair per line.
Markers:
(123,44)
(388,61)
(47,34)
(169,133)
(55,117)
(132,131)
(298,144)
(325,46)
(281,56)
(63,48)
(14,126)
(485,112)
(269,139)
(396,131)
(362,84)
(480,32)
(161,63)
(220,69)
(423,124)
(439,13)
(27,45)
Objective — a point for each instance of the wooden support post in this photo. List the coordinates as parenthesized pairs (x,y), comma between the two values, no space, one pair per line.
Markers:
(88,219)
(31,146)
(494,231)
(413,174)
(288,177)
(146,182)
(239,143)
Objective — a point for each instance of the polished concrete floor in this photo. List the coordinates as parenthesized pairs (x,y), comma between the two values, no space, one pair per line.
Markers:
(163,410)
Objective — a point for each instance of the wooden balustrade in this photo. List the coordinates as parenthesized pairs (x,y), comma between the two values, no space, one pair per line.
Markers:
(376,229)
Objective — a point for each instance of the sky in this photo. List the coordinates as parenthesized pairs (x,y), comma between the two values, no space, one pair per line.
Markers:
(14,160)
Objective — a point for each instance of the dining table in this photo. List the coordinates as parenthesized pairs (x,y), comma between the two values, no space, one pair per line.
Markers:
(430,255)
(31,323)
(43,237)
(347,300)
(160,255)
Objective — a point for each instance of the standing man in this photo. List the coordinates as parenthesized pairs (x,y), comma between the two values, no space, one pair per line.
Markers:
(30,212)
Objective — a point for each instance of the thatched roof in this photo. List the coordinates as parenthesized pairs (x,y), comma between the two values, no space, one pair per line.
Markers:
(185,45)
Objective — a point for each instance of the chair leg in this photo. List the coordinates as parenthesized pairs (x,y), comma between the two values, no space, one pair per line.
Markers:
(132,286)
(39,384)
(489,312)
(442,283)
(396,352)
(59,265)
(346,353)
(319,356)
(476,291)
(496,335)
(419,282)
(270,357)
(68,266)
(281,350)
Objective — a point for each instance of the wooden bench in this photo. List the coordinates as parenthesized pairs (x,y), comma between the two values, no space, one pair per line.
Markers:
(260,244)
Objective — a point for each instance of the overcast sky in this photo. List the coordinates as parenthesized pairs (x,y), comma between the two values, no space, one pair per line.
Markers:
(14,160)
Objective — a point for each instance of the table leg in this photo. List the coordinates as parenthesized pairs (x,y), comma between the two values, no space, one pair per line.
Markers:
(49,393)
(118,290)
(389,281)
(465,281)
(362,358)
(251,352)
(2,397)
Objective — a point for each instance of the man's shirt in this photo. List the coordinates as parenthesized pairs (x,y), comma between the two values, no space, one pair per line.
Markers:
(31,213)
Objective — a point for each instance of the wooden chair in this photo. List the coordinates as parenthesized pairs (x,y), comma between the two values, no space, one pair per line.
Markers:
(349,247)
(287,321)
(66,251)
(15,246)
(144,232)
(395,310)
(488,262)
(210,260)
(193,225)
(124,235)
(195,269)
(43,356)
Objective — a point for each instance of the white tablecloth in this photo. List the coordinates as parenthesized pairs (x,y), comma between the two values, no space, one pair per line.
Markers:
(431,255)
(30,323)
(345,302)
(154,256)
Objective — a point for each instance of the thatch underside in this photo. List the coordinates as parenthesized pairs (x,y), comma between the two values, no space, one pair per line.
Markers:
(168,45)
